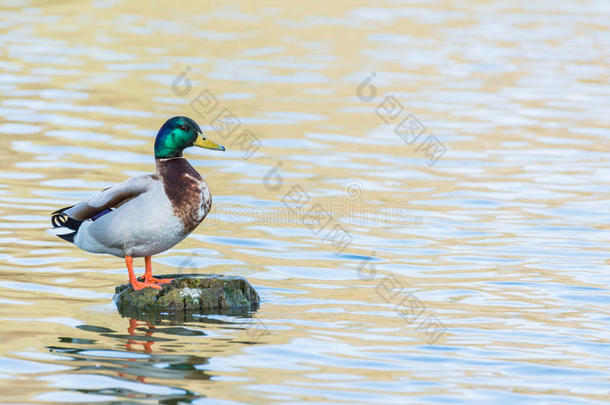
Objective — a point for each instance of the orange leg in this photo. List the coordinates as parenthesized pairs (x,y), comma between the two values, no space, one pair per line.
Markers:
(137,285)
(148,277)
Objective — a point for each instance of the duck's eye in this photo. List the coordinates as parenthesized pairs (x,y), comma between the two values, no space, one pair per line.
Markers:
(184,128)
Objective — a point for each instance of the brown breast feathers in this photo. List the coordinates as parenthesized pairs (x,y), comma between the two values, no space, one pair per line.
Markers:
(183,186)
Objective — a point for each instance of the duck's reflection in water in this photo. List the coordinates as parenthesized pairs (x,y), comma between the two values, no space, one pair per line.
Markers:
(175,367)
(147,343)
(144,362)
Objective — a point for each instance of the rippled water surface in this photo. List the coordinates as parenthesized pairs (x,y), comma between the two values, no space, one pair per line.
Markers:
(456,155)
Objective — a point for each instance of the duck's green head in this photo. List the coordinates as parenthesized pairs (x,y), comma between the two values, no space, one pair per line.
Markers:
(177,134)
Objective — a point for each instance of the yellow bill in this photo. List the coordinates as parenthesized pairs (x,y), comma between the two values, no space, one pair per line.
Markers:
(206,143)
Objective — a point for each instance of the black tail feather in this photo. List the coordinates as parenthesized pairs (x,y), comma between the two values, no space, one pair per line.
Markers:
(59,219)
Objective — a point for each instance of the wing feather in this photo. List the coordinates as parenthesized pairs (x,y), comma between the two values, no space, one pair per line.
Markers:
(109,198)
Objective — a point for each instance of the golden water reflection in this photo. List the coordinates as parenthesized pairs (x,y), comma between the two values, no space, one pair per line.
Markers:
(501,238)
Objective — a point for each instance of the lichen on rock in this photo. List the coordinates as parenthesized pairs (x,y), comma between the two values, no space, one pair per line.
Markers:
(189,294)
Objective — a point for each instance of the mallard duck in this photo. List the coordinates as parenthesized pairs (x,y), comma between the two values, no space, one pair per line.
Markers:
(148,214)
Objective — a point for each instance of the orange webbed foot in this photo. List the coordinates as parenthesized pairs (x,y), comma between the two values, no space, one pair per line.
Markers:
(138,285)
(158,280)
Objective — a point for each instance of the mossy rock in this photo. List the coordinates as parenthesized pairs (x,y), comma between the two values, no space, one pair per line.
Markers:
(186,295)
